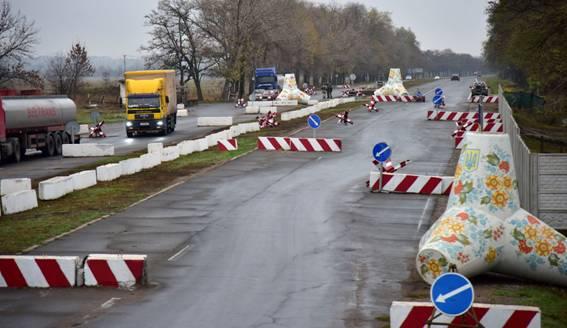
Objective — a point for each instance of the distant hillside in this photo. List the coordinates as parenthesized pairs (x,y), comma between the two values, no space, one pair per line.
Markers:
(102,64)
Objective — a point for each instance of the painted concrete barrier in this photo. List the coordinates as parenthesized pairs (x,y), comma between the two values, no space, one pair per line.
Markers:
(182,113)
(112,270)
(108,172)
(83,180)
(214,121)
(150,160)
(186,147)
(201,144)
(484,229)
(233,132)
(410,183)
(252,109)
(227,144)
(9,186)
(312,102)
(130,166)
(169,154)
(273,143)
(459,116)
(284,103)
(55,187)
(260,103)
(88,150)
(265,110)
(19,201)
(38,271)
(416,314)
(315,144)
(155,147)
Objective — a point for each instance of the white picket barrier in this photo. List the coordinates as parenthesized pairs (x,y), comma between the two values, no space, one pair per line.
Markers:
(55,188)
(10,186)
(214,121)
(130,166)
(88,150)
(19,201)
(108,172)
(169,154)
(84,179)
(155,147)
(150,160)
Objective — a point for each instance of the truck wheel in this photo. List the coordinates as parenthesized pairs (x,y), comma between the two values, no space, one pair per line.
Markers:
(58,143)
(49,149)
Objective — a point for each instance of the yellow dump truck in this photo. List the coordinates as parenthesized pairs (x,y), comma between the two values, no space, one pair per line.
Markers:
(151,102)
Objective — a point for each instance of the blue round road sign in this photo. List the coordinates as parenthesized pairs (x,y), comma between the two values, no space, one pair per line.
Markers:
(381,152)
(437,99)
(452,294)
(439,91)
(314,121)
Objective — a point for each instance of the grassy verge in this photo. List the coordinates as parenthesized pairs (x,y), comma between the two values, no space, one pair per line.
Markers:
(415,83)
(23,230)
(108,114)
(494,81)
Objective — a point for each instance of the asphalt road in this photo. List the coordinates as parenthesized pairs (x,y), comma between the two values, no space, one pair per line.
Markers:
(272,239)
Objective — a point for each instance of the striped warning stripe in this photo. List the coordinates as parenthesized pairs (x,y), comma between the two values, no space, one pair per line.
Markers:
(38,271)
(416,314)
(273,143)
(385,98)
(459,116)
(227,144)
(489,128)
(485,99)
(315,144)
(114,270)
(411,183)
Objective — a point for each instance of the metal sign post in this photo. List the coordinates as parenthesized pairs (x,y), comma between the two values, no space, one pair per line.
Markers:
(381,152)
(480,114)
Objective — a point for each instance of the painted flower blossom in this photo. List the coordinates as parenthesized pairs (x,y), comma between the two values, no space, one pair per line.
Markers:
(507,182)
(543,248)
(456,227)
(463,258)
(490,255)
(530,232)
(458,188)
(434,267)
(524,248)
(532,219)
(450,239)
(458,171)
(547,232)
(559,248)
(504,166)
(463,216)
(492,182)
(500,198)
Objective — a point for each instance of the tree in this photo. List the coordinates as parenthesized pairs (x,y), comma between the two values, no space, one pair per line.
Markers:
(17,38)
(66,73)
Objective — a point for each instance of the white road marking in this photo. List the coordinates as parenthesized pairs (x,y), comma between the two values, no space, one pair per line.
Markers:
(423,215)
(109,303)
(176,255)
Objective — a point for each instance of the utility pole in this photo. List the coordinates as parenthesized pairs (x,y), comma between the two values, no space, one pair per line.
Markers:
(124,65)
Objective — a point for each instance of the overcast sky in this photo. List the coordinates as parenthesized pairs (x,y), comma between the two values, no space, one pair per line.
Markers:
(116,27)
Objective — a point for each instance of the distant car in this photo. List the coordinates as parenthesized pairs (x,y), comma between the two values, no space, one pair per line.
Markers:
(436,77)
(379,83)
(479,88)
(455,77)
(408,77)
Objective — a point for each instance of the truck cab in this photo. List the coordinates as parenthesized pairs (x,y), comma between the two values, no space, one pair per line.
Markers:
(266,84)
(150,102)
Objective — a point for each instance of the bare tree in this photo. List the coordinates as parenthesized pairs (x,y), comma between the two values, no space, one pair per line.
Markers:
(17,38)
(56,73)
(66,73)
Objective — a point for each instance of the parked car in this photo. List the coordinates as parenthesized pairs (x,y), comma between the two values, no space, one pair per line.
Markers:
(408,77)
(455,77)
(436,77)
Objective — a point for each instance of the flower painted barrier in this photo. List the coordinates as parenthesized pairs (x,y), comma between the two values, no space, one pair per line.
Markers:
(484,229)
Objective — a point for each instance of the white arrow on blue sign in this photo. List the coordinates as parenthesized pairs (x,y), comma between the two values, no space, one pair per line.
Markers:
(314,121)
(381,152)
(452,294)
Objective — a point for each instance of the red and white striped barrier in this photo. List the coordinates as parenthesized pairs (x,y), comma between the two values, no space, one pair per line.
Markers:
(485,99)
(315,144)
(489,128)
(407,99)
(416,314)
(273,143)
(389,166)
(227,144)
(433,115)
(459,142)
(114,270)
(385,98)
(38,271)
(411,183)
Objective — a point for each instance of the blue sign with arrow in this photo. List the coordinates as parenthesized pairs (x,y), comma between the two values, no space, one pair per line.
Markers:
(452,294)
(314,121)
(437,99)
(381,152)
(438,91)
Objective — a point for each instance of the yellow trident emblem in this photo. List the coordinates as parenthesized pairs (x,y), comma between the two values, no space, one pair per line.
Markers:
(471,158)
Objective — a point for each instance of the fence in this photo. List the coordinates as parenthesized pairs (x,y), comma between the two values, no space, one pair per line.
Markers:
(542,178)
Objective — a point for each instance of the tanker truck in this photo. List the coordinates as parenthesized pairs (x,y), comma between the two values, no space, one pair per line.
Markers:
(151,100)
(34,122)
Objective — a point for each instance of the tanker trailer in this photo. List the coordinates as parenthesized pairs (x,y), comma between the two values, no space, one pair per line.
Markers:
(34,122)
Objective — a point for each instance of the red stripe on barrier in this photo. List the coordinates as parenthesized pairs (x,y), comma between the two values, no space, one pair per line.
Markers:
(406,183)
(136,267)
(417,317)
(306,144)
(451,116)
(430,185)
(260,145)
(102,273)
(468,320)
(11,273)
(275,143)
(324,144)
(52,272)
(386,178)
(519,319)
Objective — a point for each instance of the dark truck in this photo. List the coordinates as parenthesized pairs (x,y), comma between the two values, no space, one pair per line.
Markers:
(479,88)
(266,84)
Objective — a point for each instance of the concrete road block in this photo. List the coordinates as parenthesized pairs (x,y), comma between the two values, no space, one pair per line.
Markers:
(186,147)
(18,271)
(84,179)
(115,270)
(265,110)
(150,160)
(84,129)
(88,150)
(9,186)
(55,188)
(312,102)
(19,201)
(169,154)
(156,147)
(182,113)
(252,109)
(214,121)
(283,103)
(108,172)
(130,166)
(201,144)
(233,132)
(261,103)
(180,107)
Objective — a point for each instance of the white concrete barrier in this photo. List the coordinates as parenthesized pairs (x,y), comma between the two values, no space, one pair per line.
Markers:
(84,129)
(155,147)
(131,166)
(19,271)
(201,144)
(211,140)
(10,186)
(312,102)
(182,113)
(252,110)
(19,201)
(261,103)
(84,179)
(108,172)
(186,147)
(150,160)
(265,110)
(125,270)
(88,150)
(169,154)
(233,132)
(285,103)
(214,121)
(180,107)
(55,188)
